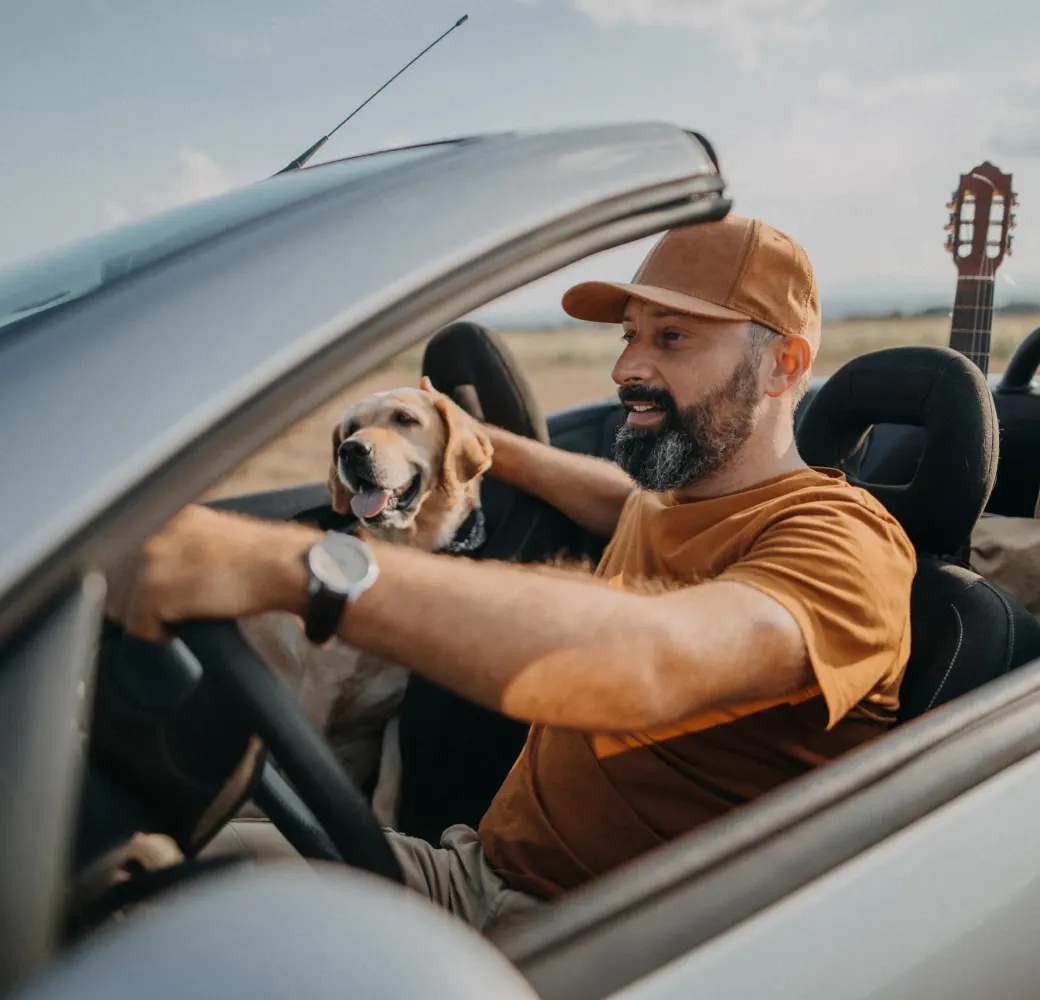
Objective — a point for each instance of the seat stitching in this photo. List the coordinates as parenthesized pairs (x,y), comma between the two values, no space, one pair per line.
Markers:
(953,659)
(1011,623)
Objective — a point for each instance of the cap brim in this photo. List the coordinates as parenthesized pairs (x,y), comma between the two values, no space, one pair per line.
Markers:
(605,301)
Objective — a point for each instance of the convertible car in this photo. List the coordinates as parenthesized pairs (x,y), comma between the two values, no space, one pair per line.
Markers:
(139,367)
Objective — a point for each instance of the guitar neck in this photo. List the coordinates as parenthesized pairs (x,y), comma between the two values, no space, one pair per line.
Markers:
(973,319)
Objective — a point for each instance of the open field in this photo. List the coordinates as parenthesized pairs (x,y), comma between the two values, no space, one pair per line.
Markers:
(570,366)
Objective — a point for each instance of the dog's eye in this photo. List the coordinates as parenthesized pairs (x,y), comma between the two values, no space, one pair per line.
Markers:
(404,419)
(352,429)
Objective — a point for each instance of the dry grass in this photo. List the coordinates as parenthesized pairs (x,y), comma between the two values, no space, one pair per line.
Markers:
(572,366)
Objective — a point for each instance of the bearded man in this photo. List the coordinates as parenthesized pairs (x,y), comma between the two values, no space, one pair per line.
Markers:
(773,639)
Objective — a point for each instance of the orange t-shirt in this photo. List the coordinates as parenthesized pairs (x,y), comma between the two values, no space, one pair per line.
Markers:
(576,804)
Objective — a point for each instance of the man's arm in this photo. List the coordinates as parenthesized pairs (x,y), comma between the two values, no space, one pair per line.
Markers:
(590,491)
(554,649)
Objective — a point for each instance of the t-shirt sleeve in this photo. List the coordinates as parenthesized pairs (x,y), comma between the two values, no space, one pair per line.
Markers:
(843,572)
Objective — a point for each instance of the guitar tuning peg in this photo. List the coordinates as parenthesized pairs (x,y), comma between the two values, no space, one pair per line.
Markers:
(948,246)
(951,205)
(1010,240)
(1011,221)
(1014,199)
(948,228)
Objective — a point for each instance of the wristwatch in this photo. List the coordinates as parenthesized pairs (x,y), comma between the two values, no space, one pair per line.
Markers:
(341,569)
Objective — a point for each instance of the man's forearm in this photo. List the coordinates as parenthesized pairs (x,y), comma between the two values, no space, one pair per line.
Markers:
(555,649)
(590,491)
(558,648)
(567,650)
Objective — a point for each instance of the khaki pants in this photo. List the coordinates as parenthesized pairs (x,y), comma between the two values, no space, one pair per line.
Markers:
(457,876)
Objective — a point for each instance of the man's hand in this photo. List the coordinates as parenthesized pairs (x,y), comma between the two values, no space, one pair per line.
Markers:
(210,564)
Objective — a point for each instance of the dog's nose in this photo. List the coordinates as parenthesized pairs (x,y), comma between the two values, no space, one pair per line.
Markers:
(355,450)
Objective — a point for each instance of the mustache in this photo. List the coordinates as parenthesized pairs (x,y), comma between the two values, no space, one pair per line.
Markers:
(640,392)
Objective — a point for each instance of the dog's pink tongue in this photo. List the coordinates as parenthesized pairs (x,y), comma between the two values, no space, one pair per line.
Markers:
(368,503)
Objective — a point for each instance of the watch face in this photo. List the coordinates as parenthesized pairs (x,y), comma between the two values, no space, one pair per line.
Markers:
(340,562)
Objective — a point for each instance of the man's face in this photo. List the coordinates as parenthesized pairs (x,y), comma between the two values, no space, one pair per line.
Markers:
(691,390)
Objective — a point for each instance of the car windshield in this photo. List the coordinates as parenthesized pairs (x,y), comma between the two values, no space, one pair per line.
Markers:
(62,276)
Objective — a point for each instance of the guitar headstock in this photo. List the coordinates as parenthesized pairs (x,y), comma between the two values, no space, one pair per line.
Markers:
(981,220)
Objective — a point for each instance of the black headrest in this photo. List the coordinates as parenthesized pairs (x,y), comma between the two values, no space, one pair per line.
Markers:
(930,387)
(476,368)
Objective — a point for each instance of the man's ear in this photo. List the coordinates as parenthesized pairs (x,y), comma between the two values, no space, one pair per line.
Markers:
(467,449)
(792,360)
(338,493)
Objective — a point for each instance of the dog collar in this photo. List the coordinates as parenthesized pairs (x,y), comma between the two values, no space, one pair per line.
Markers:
(471,536)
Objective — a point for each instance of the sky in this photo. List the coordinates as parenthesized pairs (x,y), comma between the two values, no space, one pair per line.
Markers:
(844,123)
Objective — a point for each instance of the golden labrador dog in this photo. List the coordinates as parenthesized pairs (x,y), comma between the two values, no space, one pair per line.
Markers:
(408,464)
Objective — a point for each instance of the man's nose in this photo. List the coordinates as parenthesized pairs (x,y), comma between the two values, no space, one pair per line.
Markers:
(632,366)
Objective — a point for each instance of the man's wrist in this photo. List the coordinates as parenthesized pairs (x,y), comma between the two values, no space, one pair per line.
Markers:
(503,450)
(286,579)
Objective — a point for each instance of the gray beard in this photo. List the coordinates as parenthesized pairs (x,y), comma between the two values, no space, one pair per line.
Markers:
(693,443)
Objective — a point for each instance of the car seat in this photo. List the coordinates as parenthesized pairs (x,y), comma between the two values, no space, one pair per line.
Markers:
(965,631)
(455,753)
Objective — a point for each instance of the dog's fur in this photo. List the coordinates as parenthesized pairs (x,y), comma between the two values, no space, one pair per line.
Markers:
(416,447)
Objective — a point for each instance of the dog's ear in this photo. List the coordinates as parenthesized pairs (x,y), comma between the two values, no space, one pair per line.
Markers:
(338,493)
(467,449)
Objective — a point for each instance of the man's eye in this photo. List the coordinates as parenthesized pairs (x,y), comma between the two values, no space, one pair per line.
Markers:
(672,335)
(404,419)
(628,336)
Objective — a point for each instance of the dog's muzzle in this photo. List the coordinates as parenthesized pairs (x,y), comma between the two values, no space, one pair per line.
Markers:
(372,499)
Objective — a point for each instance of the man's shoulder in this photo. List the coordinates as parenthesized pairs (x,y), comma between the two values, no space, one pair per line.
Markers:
(816,488)
(825,503)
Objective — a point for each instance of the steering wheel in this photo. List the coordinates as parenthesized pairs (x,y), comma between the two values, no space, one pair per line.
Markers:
(307,760)
(173,720)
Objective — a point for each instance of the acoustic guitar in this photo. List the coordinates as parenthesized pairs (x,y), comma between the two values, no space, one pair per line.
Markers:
(979,237)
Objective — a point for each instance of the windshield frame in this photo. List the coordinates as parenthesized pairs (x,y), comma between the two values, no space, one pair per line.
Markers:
(66,275)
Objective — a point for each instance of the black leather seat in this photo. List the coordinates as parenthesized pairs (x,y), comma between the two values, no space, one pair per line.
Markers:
(965,631)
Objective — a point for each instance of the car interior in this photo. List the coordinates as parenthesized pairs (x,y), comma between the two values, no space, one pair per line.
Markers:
(175,750)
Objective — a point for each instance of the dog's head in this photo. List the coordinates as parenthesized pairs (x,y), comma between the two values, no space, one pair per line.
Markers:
(395,453)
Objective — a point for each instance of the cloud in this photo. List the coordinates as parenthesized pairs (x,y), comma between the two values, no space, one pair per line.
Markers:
(838,87)
(198,177)
(743,26)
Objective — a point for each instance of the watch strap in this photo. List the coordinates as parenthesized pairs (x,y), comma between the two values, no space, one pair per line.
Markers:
(324,609)
(323,614)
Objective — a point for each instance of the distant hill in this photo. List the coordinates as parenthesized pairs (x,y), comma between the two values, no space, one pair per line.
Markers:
(1008,309)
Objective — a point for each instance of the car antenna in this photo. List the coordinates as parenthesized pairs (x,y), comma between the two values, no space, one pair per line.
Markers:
(307,154)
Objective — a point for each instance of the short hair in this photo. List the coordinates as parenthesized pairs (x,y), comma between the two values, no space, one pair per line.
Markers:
(759,337)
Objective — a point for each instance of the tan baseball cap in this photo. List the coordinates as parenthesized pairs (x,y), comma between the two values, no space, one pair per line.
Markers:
(733,269)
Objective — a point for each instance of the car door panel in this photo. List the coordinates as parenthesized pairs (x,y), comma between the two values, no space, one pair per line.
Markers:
(948,907)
